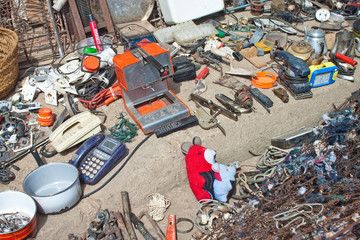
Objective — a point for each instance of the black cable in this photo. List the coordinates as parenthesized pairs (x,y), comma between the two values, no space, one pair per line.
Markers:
(6,176)
(231,14)
(88,90)
(44,152)
(122,166)
(97,112)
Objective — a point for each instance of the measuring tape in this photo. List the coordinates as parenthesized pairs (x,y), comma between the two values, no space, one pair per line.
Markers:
(265,46)
(323,74)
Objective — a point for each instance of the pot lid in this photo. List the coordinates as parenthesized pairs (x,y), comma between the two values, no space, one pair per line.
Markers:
(301,47)
(315,32)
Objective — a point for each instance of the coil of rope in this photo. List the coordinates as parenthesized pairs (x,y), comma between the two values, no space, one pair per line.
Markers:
(157,206)
(266,166)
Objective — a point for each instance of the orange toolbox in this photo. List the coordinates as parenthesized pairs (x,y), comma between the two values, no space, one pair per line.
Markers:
(143,75)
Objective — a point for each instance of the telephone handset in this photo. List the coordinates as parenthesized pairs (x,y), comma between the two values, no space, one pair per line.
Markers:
(76,129)
(97,156)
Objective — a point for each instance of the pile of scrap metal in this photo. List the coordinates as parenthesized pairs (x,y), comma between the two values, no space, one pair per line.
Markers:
(309,193)
(19,132)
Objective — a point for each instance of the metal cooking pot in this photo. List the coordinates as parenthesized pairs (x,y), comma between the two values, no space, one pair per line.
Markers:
(344,44)
(54,186)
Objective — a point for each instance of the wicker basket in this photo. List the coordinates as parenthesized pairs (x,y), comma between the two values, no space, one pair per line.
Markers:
(9,66)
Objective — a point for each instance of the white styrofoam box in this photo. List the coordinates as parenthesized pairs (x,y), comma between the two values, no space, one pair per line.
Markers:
(177,11)
(165,35)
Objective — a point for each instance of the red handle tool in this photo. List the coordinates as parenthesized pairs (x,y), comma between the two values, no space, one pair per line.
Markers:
(171,228)
(346,59)
(202,74)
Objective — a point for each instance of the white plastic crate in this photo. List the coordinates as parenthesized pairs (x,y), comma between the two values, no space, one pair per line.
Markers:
(165,35)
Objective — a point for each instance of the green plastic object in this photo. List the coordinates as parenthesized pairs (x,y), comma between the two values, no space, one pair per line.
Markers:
(124,130)
(220,34)
(89,50)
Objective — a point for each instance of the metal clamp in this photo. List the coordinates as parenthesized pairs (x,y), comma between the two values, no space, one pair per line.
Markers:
(206,120)
(215,109)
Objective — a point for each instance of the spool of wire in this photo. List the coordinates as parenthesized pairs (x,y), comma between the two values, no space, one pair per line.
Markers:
(257,8)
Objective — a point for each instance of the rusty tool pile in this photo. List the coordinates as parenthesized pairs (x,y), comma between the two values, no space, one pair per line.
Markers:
(313,193)
(111,225)
(10,222)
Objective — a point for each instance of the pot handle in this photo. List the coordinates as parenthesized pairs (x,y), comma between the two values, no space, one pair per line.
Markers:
(358,44)
(322,47)
(35,154)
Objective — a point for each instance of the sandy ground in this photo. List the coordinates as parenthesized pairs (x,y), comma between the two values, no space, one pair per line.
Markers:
(159,166)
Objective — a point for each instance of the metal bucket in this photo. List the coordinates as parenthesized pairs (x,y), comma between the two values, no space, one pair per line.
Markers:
(54,186)
(15,201)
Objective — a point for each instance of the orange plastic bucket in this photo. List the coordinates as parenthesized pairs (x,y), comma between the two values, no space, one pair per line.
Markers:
(15,201)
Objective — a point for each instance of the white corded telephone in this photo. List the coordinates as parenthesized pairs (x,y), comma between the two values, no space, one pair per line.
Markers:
(75,130)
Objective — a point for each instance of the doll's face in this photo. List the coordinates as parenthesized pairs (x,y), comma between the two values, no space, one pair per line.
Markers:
(210,156)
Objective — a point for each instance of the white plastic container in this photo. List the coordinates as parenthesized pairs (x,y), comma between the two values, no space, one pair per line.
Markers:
(193,33)
(166,34)
(177,11)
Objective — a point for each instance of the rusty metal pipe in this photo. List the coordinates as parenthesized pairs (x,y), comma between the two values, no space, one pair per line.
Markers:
(127,212)
(121,224)
(156,227)
(56,31)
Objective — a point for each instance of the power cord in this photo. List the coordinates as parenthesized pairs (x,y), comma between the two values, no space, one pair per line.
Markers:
(121,167)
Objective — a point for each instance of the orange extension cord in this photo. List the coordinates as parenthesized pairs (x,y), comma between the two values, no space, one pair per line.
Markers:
(104,97)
